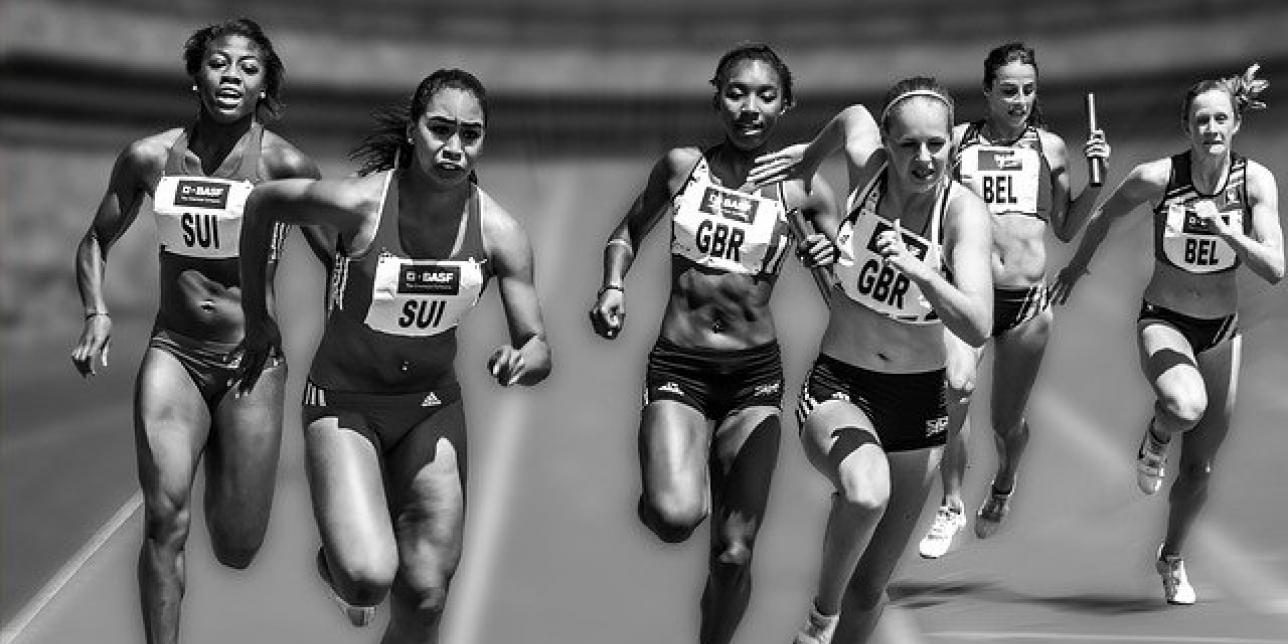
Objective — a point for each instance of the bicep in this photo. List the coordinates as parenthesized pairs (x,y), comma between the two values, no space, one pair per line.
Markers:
(512,261)
(970,245)
(121,202)
(1264,197)
(648,207)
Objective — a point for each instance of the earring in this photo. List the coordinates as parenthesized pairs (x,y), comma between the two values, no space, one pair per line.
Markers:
(194,87)
(263,95)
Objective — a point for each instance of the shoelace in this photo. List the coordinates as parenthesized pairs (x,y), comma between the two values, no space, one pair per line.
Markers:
(944,521)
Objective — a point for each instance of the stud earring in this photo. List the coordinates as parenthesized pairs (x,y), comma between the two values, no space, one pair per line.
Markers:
(194,87)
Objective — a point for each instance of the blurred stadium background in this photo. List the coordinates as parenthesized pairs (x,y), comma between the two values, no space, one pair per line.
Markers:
(585,95)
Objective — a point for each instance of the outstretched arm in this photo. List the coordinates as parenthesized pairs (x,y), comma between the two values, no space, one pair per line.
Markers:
(340,205)
(526,360)
(853,129)
(1142,183)
(116,212)
(608,314)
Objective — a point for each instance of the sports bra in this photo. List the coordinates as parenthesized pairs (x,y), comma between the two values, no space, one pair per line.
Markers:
(1181,237)
(728,230)
(864,275)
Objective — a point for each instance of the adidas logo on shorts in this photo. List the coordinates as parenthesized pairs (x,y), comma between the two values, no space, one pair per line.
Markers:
(431,400)
(671,387)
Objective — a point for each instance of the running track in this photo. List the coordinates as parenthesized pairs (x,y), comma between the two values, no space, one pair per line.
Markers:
(554,553)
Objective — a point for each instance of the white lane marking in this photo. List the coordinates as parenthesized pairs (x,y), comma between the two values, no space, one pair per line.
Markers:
(51,588)
(1035,636)
(1239,575)
(479,559)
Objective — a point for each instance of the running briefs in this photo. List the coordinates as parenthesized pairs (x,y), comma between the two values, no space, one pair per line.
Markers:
(1201,333)
(1015,306)
(210,364)
(909,411)
(387,418)
(716,382)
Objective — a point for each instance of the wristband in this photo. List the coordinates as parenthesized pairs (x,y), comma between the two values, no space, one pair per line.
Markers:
(617,241)
(95,313)
(610,287)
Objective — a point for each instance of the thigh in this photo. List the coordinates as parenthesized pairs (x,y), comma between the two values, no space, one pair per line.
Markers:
(246,437)
(171,425)
(837,438)
(346,484)
(743,458)
(426,483)
(1017,356)
(1220,369)
(1168,361)
(674,442)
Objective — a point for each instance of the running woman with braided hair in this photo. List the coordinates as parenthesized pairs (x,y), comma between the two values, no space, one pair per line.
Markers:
(1021,170)
(911,261)
(709,430)
(1213,211)
(198,178)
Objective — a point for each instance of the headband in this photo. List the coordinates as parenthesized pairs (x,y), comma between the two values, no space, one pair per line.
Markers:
(910,94)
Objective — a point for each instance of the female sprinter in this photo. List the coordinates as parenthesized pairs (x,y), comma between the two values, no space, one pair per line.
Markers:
(1021,171)
(198,178)
(911,258)
(709,430)
(1213,210)
(385,440)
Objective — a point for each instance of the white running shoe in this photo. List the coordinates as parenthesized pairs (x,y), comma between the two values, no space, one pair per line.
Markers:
(357,615)
(817,629)
(948,521)
(992,511)
(1176,585)
(1150,459)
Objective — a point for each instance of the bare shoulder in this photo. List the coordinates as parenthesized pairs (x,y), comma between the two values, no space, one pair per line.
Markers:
(1154,174)
(282,160)
(679,161)
(963,201)
(496,222)
(148,155)
(1260,173)
(1052,144)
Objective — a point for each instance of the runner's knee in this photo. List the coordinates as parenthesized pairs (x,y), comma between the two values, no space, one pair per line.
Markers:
(166,523)
(865,483)
(672,518)
(1185,408)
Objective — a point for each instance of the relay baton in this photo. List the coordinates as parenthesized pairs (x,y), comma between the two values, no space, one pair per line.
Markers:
(1095,165)
(822,276)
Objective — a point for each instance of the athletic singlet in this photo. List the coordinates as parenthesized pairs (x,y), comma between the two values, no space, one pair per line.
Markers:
(728,230)
(862,271)
(1013,178)
(1181,237)
(392,293)
(200,216)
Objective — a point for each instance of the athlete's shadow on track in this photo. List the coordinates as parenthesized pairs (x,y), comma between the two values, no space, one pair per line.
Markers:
(915,595)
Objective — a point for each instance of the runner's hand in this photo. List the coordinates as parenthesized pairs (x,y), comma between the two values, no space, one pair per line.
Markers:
(891,246)
(608,316)
(507,365)
(1064,283)
(1096,146)
(263,342)
(816,250)
(94,344)
(783,165)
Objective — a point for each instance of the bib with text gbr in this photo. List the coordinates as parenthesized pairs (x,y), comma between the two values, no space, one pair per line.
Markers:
(862,271)
(728,230)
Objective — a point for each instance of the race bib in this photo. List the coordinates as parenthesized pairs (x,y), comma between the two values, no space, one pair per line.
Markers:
(1189,241)
(199,216)
(419,298)
(1006,178)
